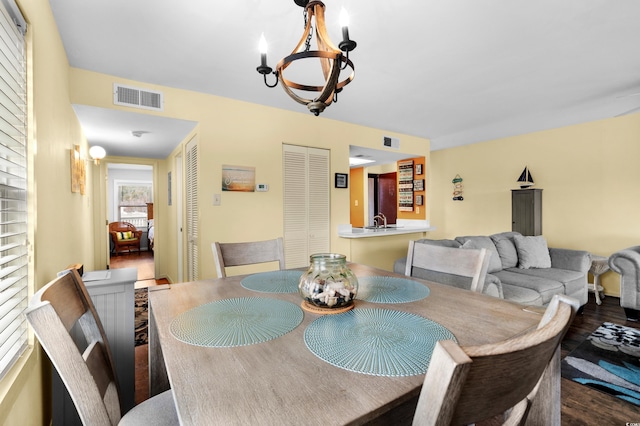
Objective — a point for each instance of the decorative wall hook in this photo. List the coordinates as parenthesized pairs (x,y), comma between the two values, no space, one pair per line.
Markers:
(457,188)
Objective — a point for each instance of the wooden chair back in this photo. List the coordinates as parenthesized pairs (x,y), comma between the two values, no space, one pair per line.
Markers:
(464,385)
(87,372)
(472,263)
(247,253)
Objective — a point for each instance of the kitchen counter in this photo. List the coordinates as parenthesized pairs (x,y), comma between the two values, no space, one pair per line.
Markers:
(403,226)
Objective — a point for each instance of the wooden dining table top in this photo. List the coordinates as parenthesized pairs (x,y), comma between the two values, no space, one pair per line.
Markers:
(281,381)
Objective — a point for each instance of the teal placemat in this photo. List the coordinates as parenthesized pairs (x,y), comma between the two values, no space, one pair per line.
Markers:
(380,342)
(236,322)
(390,290)
(273,281)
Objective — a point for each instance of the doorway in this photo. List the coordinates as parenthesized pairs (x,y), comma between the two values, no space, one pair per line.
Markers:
(383,196)
(130,193)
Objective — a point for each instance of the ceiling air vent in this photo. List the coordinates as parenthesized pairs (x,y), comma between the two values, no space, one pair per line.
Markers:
(137,98)
(391,142)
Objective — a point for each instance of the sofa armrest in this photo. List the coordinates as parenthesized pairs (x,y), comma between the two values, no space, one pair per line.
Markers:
(626,261)
(573,260)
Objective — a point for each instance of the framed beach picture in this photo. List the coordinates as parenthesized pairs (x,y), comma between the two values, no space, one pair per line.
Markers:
(418,169)
(238,178)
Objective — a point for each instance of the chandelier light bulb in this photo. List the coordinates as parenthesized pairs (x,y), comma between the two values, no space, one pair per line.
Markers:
(262,44)
(344,18)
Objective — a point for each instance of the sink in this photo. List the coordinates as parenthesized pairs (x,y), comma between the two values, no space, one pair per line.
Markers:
(382,228)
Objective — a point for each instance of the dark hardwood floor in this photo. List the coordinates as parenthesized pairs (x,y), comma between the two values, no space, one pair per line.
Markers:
(580,404)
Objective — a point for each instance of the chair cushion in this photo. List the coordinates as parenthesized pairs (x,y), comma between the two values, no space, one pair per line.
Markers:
(532,252)
(158,411)
(483,242)
(127,235)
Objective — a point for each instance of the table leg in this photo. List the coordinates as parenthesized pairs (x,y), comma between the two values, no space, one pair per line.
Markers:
(158,379)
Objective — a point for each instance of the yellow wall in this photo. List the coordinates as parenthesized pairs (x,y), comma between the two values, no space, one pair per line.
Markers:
(240,133)
(62,220)
(589,175)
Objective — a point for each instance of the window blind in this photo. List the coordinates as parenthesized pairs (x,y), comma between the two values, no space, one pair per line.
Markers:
(13,186)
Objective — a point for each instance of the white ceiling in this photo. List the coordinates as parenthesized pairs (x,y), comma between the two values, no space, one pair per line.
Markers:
(453,71)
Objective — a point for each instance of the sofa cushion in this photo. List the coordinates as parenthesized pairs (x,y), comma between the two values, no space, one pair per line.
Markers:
(532,252)
(573,281)
(506,248)
(545,286)
(482,242)
(522,295)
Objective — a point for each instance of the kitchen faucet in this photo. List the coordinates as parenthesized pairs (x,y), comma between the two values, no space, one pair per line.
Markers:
(379,217)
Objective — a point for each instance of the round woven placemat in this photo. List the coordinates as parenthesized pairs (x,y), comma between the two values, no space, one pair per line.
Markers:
(236,322)
(273,281)
(380,342)
(383,289)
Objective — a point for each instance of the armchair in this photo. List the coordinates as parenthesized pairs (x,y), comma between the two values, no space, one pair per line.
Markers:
(124,236)
(627,263)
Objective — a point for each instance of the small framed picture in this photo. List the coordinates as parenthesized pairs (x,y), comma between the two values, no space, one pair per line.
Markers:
(342,180)
(418,169)
(418,185)
(419,200)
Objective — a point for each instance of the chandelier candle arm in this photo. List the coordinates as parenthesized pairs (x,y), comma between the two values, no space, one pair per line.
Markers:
(265,69)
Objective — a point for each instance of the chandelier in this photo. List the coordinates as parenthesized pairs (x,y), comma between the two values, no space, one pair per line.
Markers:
(332,59)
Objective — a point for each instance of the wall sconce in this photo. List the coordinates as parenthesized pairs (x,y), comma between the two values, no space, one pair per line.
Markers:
(97,153)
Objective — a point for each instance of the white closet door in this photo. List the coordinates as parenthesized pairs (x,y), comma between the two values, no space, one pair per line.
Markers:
(192,210)
(306,203)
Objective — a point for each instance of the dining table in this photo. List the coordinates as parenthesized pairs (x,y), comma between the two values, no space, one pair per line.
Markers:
(242,350)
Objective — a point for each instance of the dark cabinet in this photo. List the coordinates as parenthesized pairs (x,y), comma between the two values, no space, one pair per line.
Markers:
(526,211)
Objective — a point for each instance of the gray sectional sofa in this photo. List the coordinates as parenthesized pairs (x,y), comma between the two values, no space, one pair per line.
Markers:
(521,269)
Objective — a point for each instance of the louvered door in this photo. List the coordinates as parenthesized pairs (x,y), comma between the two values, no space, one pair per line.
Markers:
(192,210)
(306,203)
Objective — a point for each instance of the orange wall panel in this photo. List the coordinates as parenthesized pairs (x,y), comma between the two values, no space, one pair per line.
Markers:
(356,188)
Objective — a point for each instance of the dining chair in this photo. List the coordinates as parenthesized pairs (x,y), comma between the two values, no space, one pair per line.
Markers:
(247,253)
(464,385)
(63,307)
(471,263)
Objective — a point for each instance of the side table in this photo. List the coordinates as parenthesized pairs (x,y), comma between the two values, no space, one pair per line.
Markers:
(599,265)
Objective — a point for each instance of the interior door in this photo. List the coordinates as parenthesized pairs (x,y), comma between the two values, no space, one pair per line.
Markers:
(388,196)
(179,217)
(192,210)
(306,203)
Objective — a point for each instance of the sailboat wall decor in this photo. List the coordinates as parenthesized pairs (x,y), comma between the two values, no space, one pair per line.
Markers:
(525,180)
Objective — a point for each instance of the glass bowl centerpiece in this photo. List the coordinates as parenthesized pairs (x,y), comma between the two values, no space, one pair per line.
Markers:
(328,283)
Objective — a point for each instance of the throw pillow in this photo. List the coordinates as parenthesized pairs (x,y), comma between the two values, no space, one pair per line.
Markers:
(506,249)
(127,235)
(532,252)
(495,264)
